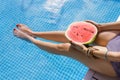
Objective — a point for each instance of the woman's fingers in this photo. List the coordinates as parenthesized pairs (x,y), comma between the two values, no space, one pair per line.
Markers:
(90,53)
(94,23)
(74,44)
(78,46)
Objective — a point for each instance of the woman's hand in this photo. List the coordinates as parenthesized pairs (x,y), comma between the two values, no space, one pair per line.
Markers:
(82,48)
(100,48)
(98,52)
(92,52)
(96,24)
(79,47)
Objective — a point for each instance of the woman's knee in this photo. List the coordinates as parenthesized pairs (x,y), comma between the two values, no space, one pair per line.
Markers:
(63,46)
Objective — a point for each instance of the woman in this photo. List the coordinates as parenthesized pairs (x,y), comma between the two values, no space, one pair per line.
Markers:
(97,58)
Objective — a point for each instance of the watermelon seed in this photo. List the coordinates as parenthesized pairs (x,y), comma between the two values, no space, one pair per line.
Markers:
(88,30)
(84,28)
(75,26)
(77,34)
(91,31)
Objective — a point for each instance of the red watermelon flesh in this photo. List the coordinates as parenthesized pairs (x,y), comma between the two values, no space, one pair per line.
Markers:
(81,32)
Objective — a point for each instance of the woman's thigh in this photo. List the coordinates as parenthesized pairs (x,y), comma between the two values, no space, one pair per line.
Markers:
(104,37)
(98,65)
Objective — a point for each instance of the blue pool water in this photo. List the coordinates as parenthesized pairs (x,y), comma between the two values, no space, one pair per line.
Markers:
(20,60)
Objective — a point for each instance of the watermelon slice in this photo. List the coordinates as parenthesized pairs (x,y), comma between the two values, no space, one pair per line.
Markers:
(81,32)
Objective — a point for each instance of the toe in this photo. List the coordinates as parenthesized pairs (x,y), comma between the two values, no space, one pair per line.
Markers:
(14,32)
(18,25)
(21,25)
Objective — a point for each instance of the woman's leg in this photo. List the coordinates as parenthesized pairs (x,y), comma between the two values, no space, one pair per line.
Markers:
(65,49)
(58,36)
(102,39)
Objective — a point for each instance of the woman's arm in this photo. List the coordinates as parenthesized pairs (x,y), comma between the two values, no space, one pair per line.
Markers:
(98,52)
(113,26)
(110,26)
(111,56)
(103,53)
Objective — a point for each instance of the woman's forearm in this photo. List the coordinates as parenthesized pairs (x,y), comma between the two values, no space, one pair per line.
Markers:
(113,56)
(110,26)
(110,56)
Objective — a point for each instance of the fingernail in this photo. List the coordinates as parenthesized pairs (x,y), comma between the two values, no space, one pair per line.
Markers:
(72,43)
(18,25)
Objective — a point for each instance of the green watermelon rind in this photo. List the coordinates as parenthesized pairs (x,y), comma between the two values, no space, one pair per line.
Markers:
(86,43)
(89,42)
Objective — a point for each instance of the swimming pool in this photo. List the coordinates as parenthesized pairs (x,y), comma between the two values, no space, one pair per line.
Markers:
(20,60)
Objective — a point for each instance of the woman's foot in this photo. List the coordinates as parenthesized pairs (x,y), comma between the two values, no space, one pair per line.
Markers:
(18,33)
(25,29)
